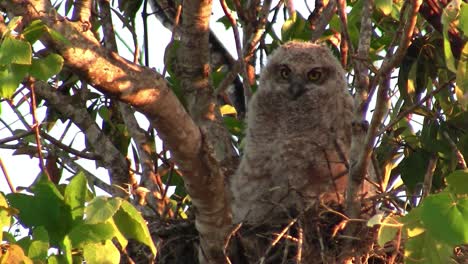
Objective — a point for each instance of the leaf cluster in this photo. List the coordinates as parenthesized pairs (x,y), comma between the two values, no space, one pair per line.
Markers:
(72,221)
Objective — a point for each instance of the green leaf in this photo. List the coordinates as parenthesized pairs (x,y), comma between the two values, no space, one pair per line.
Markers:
(175,180)
(170,56)
(463,18)
(118,235)
(425,249)
(296,27)
(75,195)
(14,22)
(458,182)
(445,216)
(56,36)
(100,209)
(5,214)
(132,225)
(66,248)
(10,78)
(97,253)
(15,51)
(413,168)
(90,233)
(34,31)
(225,21)
(384,6)
(389,228)
(449,14)
(129,8)
(44,68)
(234,126)
(461,88)
(8,84)
(39,246)
(46,208)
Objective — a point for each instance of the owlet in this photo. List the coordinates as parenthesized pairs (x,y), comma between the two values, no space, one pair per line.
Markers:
(298,136)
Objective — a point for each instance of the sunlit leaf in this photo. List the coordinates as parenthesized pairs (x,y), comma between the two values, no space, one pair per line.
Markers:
(388,230)
(463,18)
(425,249)
(15,51)
(38,249)
(132,225)
(90,233)
(458,182)
(461,89)
(97,253)
(100,209)
(384,6)
(5,214)
(446,217)
(75,195)
(227,110)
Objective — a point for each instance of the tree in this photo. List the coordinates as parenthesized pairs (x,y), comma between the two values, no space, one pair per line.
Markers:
(410,56)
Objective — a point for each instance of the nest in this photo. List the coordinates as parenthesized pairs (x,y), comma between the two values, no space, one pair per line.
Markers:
(313,237)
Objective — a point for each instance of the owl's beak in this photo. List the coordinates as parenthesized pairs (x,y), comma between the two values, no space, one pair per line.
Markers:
(296,90)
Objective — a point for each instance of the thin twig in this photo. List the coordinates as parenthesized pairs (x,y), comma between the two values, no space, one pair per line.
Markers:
(36,128)
(346,45)
(461,163)
(17,136)
(410,109)
(277,239)
(240,56)
(144,16)
(228,240)
(70,150)
(300,243)
(7,176)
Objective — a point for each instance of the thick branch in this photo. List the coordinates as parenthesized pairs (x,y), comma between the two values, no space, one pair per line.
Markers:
(320,20)
(82,10)
(359,157)
(205,183)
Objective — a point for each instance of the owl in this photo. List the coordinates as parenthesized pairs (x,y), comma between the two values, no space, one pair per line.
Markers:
(297,139)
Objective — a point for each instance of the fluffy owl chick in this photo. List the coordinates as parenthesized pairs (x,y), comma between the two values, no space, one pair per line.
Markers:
(298,136)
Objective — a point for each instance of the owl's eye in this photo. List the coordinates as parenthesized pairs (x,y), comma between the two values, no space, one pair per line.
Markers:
(316,74)
(285,72)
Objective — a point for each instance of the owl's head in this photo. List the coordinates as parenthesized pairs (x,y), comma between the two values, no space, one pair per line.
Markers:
(297,69)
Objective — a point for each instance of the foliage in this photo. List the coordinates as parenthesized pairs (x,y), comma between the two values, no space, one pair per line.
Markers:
(419,154)
(74,222)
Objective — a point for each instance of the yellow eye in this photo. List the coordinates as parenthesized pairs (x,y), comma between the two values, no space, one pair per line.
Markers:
(315,75)
(285,72)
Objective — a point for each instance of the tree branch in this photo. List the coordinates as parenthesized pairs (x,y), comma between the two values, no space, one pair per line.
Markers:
(319,20)
(82,10)
(109,155)
(359,156)
(205,182)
